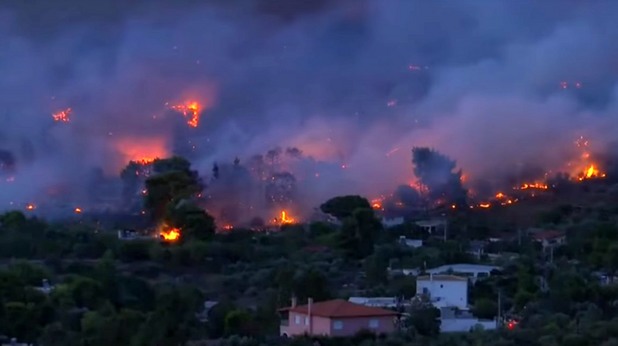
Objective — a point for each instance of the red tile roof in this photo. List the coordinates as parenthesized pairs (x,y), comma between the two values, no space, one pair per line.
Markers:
(340,308)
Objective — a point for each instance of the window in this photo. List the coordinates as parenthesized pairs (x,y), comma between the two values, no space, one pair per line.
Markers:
(338,325)
(297,319)
(306,321)
(374,323)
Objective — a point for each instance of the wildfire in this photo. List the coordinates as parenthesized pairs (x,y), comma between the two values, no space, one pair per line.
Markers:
(145,160)
(63,116)
(485,205)
(376,204)
(30,207)
(526,186)
(78,210)
(190,110)
(140,150)
(228,227)
(171,235)
(589,173)
(284,219)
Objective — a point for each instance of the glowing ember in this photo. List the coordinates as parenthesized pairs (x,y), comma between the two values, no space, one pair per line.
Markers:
(394,150)
(526,186)
(63,116)
(190,110)
(145,161)
(376,204)
(78,210)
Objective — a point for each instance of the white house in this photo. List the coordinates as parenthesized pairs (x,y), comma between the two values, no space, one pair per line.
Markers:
(444,290)
(472,271)
(457,321)
(392,222)
(433,227)
(413,243)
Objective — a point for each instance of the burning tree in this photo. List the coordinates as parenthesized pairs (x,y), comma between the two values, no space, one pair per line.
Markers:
(170,196)
(439,182)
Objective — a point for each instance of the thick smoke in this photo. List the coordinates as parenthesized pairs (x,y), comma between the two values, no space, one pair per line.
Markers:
(499,86)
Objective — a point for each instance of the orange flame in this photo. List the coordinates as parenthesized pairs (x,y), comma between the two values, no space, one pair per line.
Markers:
(284,219)
(190,110)
(485,205)
(376,204)
(63,116)
(526,186)
(78,210)
(30,206)
(171,235)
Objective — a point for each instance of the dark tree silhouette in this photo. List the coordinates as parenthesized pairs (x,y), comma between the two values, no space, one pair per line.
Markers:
(436,173)
(172,181)
(344,206)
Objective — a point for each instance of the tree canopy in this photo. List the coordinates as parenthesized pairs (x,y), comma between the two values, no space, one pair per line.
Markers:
(437,175)
(172,181)
(344,206)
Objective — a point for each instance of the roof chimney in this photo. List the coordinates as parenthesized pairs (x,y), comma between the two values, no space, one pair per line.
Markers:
(293,301)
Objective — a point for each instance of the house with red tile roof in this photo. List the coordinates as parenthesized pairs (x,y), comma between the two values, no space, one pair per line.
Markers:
(335,318)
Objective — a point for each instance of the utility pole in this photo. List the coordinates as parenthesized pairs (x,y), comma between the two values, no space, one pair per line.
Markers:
(445,226)
(499,307)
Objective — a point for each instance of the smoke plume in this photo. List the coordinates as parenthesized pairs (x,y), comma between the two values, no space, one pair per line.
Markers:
(497,86)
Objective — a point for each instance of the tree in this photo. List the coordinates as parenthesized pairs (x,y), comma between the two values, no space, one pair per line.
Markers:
(344,206)
(358,233)
(239,322)
(436,174)
(424,317)
(376,269)
(311,284)
(192,220)
(485,308)
(173,181)
(133,177)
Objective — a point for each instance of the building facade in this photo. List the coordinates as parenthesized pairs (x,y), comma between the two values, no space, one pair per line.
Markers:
(335,318)
(444,290)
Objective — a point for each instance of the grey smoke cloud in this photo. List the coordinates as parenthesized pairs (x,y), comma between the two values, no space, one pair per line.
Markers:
(345,81)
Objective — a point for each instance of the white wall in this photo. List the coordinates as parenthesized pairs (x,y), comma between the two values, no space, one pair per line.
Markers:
(453,325)
(445,293)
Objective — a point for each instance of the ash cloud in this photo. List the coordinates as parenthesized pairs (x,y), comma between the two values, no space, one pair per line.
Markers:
(352,84)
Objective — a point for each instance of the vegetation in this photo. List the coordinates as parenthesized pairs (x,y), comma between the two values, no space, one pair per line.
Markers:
(76,283)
